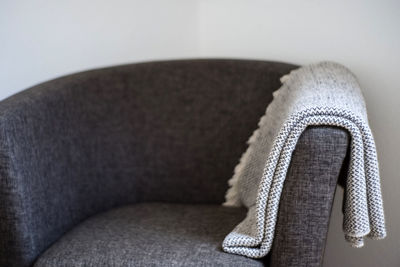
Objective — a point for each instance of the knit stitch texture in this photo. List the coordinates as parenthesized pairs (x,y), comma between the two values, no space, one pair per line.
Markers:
(325,93)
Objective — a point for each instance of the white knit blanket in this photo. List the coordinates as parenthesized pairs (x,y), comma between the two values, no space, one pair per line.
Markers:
(319,94)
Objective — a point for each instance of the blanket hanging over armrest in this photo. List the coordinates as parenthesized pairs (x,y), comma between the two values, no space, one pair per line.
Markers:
(319,94)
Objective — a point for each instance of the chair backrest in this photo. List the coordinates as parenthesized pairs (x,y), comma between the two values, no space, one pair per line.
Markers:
(158,131)
(177,128)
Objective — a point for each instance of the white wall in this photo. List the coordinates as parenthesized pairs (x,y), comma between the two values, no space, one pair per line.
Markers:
(43,39)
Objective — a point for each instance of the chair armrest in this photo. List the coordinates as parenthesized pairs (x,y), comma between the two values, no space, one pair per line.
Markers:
(307,197)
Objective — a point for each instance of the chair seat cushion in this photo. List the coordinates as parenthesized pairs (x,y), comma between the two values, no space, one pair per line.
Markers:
(150,234)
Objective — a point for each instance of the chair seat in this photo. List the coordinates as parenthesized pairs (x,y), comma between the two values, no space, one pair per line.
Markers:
(150,234)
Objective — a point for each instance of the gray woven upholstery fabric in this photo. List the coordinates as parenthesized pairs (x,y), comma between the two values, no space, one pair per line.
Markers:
(307,197)
(161,131)
(153,234)
(157,131)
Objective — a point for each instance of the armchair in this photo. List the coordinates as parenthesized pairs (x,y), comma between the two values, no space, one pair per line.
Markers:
(128,166)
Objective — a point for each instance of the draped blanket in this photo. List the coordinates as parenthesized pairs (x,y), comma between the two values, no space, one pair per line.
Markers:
(319,94)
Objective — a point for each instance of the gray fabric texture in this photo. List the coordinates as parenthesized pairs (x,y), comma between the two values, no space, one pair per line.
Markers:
(325,93)
(157,131)
(306,200)
(150,234)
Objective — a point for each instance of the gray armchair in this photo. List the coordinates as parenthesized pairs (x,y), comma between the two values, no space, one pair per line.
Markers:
(128,166)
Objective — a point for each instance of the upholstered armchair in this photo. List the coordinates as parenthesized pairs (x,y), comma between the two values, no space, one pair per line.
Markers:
(128,166)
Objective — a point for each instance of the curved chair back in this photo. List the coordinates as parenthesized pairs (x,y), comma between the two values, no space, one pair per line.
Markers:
(158,131)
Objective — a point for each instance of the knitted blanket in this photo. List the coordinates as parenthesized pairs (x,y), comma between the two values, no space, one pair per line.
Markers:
(319,94)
